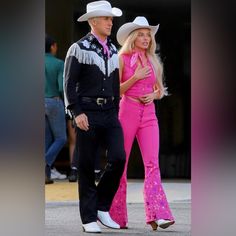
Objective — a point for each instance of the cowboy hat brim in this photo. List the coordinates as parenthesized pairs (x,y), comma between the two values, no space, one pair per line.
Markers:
(127,28)
(115,12)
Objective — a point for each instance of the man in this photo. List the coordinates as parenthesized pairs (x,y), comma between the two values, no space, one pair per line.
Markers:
(55,126)
(92,94)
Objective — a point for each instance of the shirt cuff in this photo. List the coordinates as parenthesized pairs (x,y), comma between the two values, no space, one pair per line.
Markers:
(75,110)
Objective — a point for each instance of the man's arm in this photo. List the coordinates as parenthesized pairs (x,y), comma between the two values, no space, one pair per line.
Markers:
(116,90)
(71,76)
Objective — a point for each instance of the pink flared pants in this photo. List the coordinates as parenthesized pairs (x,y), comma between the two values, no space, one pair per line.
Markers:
(140,120)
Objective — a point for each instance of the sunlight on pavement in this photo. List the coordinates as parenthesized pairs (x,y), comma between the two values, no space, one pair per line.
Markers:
(61,191)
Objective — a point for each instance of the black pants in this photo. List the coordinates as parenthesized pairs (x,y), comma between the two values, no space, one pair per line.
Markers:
(103,124)
(75,160)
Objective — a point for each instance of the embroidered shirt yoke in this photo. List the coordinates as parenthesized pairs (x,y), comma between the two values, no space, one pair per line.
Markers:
(90,73)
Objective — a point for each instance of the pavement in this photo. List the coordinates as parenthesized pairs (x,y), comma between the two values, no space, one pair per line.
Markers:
(62,216)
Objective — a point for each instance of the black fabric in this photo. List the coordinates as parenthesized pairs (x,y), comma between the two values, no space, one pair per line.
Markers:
(84,75)
(102,125)
(90,74)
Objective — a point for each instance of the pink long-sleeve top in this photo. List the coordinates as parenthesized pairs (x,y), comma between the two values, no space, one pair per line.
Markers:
(141,87)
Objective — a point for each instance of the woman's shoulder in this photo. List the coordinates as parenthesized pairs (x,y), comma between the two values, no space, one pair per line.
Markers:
(125,56)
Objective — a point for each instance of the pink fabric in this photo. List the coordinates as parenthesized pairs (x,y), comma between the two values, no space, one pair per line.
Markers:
(103,43)
(140,120)
(143,86)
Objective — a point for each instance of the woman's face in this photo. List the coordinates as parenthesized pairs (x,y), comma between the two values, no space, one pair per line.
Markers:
(143,39)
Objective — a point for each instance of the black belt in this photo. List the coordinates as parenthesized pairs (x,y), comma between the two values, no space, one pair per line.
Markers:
(98,101)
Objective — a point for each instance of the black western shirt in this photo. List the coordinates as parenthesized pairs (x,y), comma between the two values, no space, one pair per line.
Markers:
(89,72)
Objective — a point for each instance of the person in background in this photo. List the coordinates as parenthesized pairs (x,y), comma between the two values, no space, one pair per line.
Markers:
(141,83)
(55,126)
(73,175)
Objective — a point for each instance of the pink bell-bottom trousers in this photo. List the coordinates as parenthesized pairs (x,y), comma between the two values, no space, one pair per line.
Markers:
(140,121)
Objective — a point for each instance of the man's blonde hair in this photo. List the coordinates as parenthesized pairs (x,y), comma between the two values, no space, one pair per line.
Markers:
(91,21)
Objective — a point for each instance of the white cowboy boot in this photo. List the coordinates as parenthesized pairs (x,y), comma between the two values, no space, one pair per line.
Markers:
(105,219)
(92,227)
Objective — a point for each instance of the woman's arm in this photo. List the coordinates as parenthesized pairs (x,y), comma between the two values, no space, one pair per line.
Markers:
(156,92)
(150,97)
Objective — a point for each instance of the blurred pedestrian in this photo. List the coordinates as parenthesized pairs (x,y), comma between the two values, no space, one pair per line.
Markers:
(71,133)
(55,126)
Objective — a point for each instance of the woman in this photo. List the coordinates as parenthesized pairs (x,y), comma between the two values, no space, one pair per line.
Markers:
(141,83)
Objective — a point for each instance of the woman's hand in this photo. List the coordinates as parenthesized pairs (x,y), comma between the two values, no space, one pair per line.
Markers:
(142,72)
(148,98)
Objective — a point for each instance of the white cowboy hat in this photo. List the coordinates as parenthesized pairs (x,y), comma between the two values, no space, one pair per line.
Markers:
(99,8)
(138,23)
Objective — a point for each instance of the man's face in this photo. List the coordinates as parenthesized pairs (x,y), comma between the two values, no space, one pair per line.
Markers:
(103,25)
(54,49)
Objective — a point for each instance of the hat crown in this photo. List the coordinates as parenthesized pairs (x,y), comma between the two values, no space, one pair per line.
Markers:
(141,20)
(99,5)
(138,23)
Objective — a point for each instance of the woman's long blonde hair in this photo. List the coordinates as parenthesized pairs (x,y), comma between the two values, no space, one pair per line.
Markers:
(155,60)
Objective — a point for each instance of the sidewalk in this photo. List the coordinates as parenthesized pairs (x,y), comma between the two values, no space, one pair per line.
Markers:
(62,218)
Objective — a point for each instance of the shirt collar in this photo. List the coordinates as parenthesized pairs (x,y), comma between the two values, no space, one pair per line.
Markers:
(135,55)
(103,43)
(98,39)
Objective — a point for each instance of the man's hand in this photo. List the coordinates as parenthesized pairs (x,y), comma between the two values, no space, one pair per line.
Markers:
(82,122)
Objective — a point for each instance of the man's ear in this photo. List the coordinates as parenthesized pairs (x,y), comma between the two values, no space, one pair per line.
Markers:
(94,21)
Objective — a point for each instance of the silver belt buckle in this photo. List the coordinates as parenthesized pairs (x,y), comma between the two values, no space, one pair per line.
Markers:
(101,101)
